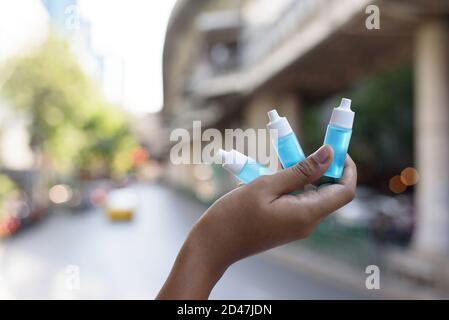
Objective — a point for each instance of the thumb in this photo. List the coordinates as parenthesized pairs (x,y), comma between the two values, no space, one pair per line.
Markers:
(303,173)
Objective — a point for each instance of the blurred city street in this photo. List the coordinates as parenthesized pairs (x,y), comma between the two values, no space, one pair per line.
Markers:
(117,123)
(132,259)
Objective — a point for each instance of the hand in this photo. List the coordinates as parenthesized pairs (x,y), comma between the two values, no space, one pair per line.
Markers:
(256,217)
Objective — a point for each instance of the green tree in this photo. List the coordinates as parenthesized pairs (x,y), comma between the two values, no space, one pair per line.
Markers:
(71,126)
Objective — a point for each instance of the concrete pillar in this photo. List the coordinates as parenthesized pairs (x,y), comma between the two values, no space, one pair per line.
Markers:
(288,104)
(432,137)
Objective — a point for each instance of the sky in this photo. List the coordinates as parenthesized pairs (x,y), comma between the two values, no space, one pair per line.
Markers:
(132,31)
(129,33)
(20,29)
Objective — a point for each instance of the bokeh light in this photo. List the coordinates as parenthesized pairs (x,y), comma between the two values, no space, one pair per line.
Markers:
(396,185)
(60,193)
(409,176)
(98,197)
(4,232)
(139,156)
(20,210)
(11,225)
(203,172)
(205,191)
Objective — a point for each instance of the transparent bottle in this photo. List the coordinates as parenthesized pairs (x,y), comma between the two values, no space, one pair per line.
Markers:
(242,167)
(338,136)
(286,144)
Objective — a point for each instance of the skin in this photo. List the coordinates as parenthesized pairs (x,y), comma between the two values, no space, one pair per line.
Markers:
(254,218)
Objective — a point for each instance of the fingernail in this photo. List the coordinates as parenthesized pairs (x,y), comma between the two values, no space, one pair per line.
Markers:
(322,155)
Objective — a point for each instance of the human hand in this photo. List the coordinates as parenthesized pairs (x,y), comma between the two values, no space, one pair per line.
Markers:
(262,215)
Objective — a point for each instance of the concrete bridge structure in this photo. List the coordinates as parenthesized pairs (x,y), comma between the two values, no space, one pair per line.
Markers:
(226,62)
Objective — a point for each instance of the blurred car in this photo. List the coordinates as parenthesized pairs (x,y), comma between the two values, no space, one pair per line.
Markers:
(121,204)
(388,218)
(88,194)
(21,203)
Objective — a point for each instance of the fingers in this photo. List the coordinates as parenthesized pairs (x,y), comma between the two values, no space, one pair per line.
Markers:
(303,173)
(335,196)
(349,178)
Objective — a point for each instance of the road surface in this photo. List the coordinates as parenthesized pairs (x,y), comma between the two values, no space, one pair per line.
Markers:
(84,255)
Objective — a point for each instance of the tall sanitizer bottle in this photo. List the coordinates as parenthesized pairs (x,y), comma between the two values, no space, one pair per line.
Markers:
(242,167)
(286,144)
(338,136)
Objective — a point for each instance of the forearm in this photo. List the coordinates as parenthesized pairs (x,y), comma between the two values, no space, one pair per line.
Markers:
(253,218)
(192,275)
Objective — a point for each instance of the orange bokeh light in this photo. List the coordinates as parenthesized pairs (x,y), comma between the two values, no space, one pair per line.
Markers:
(409,176)
(139,156)
(396,185)
(4,232)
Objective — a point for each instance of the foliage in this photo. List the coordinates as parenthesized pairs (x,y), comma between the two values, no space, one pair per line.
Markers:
(383,131)
(70,124)
(382,140)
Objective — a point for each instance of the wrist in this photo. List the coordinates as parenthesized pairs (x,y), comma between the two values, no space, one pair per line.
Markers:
(194,273)
(198,251)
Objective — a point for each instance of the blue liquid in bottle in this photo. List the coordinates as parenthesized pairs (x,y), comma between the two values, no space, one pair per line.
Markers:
(287,146)
(289,150)
(338,138)
(252,170)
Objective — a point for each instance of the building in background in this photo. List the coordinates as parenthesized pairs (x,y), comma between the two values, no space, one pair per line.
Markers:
(65,20)
(58,12)
(227,63)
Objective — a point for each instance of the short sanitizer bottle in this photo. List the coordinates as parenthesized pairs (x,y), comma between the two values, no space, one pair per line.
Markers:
(287,146)
(242,167)
(338,136)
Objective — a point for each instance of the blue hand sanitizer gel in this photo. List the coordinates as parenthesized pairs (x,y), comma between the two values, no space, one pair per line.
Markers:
(338,136)
(287,146)
(242,167)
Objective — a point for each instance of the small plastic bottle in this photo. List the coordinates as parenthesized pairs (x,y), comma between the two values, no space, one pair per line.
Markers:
(242,167)
(287,146)
(338,136)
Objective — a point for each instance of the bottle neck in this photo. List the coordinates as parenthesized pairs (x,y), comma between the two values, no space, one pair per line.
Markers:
(281,126)
(342,118)
(235,162)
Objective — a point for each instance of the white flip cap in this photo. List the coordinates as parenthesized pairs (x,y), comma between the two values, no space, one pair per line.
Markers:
(233,161)
(343,116)
(278,123)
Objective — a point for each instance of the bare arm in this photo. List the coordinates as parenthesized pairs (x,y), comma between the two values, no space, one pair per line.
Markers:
(254,218)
